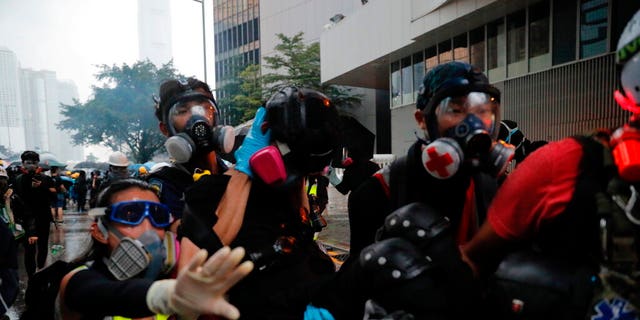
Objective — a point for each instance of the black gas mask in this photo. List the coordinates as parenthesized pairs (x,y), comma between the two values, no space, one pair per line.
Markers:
(200,134)
(471,141)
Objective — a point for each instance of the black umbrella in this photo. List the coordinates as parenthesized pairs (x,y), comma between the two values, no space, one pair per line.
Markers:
(356,138)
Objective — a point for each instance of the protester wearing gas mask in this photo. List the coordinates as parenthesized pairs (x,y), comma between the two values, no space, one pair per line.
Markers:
(296,136)
(188,116)
(564,232)
(33,188)
(452,165)
(132,253)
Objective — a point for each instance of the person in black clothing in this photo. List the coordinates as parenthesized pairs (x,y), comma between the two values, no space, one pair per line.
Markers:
(451,168)
(34,190)
(355,173)
(184,106)
(274,225)
(94,184)
(8,245)
(110,283)
(81,190)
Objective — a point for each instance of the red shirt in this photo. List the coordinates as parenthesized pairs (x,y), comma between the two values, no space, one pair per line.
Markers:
(537,191)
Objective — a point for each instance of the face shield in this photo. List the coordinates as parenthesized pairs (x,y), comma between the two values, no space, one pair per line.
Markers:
(482,105)
(181,111)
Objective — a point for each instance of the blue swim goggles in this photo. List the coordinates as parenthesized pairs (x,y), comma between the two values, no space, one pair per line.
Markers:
(133,213)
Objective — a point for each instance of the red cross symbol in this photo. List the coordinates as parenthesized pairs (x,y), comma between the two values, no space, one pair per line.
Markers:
(438,162)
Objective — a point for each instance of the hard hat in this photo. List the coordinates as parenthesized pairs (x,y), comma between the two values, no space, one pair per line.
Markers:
(118,159)
(142,170)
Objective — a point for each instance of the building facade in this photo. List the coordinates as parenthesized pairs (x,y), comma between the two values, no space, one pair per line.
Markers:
(11,116)
(552,59)
(237,39)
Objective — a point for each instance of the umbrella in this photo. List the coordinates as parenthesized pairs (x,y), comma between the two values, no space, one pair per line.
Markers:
(358,140)
(66,181)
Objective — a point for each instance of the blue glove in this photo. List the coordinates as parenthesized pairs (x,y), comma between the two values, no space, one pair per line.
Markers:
(254,141)
(315,313)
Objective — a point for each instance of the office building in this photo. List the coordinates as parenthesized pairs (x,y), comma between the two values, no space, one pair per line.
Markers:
(11,118)
(154,31)
(553,60)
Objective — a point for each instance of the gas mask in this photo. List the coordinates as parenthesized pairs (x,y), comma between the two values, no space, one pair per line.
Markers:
(31,166)
(199,136)
(470,141)
(147,256)
(625,143)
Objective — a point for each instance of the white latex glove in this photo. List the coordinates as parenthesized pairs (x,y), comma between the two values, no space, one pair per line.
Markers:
(200,288)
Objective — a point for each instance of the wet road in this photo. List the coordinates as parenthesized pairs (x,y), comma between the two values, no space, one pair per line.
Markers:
(71,240)
(67,242)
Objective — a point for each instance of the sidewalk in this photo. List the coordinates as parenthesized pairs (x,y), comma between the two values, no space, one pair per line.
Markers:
(336,233)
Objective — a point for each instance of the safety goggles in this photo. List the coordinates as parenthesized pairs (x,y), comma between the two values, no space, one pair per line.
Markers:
(133,213)
(481,104)
(187,108)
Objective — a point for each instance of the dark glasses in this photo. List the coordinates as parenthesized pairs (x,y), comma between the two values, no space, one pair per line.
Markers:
(133,213)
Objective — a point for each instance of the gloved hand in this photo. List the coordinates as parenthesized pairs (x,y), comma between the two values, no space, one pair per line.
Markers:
(254,141)
(315,313)
(200,288)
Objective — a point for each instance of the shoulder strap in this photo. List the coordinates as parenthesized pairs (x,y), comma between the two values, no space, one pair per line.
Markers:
(398,182)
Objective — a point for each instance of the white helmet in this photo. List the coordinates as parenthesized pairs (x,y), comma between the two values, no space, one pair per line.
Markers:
(627,55)
(118,159)
(3,172)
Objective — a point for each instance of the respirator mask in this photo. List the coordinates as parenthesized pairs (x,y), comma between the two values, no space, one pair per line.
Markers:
(146,256)
(471,140)
(200,135)
(625,143)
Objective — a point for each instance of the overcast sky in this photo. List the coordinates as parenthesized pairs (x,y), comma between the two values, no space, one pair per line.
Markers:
(70,37)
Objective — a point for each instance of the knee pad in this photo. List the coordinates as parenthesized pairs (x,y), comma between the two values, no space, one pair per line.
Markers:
(392,261)
(416,222)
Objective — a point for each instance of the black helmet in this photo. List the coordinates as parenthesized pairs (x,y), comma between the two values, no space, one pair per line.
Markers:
(305,120)
(450,79)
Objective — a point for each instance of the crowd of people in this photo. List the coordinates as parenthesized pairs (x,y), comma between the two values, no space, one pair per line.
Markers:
(451,230)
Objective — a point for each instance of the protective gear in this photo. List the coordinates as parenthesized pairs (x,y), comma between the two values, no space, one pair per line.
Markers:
(268,165)
(454,79)
(628,95)
(147,253)
(253,142)
(116,173)
(416,222)
(199,138)
(118,159)
(468,141)
(303,123)
(134,212)
(30,166)
(200,288)
(625,143)
(3,173)
(392,261)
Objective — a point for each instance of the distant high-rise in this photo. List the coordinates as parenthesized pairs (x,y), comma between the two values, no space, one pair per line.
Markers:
(41,96)
(237,39)
(11,121)
(154,31)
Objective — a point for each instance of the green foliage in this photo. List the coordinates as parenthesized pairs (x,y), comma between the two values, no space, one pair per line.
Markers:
(294,63)
(120,113)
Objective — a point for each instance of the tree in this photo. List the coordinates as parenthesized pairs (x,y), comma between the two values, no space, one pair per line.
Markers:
(120,113)
(296,63)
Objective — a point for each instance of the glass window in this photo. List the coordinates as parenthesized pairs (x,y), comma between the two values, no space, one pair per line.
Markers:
(476,40)
(460,48)
(444,51)
(256,29)
(496,56)
(430,58)
(593,27)
(539,29)
(418,71)
(516,37)
(564,31)
(407,80)
(396,98)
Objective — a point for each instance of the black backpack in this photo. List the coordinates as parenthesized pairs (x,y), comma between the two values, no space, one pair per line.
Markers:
(42,291)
